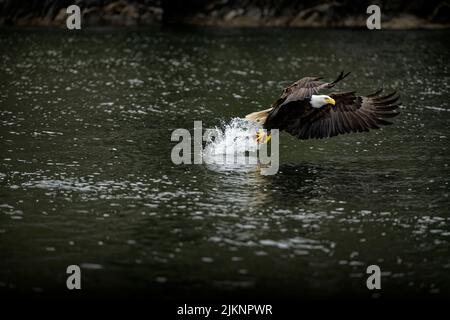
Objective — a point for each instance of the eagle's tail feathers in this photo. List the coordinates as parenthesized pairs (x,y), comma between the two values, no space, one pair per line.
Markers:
(258,116)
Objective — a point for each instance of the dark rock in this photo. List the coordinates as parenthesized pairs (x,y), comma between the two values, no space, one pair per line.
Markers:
(229,13)
(441,13)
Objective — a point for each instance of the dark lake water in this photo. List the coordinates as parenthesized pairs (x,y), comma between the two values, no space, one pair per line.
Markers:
(86,176)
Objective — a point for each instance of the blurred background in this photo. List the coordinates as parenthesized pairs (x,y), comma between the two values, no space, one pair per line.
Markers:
(307,13)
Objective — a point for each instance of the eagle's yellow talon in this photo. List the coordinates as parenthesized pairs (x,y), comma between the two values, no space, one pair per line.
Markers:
(262,137)
(258,136)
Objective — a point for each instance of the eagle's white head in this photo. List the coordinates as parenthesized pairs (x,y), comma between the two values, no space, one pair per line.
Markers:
(318,101)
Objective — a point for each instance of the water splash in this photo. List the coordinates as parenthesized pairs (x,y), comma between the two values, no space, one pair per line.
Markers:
(232,142)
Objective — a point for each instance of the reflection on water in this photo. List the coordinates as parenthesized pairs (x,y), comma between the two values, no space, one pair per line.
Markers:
(86,176)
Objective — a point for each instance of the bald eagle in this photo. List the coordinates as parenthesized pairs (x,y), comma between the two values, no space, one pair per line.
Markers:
(306,114)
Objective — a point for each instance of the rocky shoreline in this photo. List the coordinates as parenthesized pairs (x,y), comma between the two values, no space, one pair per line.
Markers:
(226,13)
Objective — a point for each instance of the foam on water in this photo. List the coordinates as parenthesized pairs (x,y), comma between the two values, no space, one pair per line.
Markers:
(233,139)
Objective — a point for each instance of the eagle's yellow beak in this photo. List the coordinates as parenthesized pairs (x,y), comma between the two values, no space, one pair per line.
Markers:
(330,101)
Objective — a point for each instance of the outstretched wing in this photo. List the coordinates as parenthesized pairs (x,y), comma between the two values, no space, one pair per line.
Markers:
(350,114)
(305,88)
